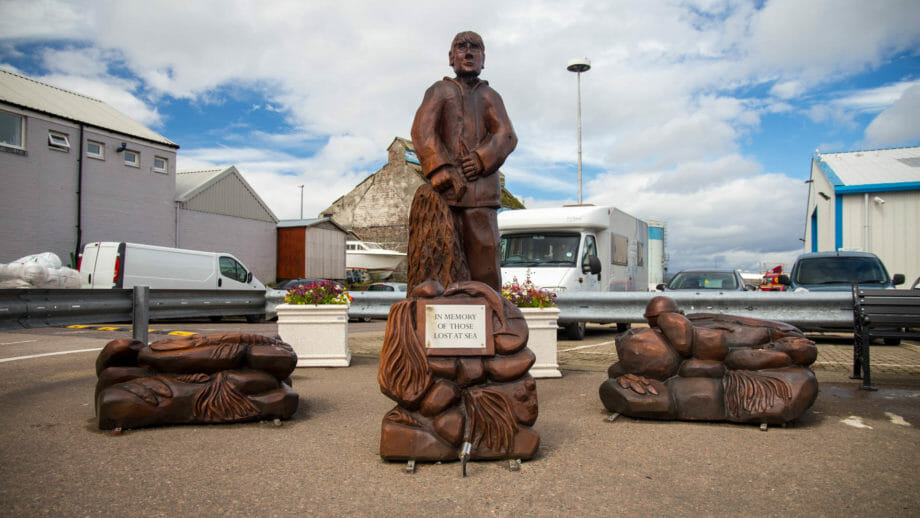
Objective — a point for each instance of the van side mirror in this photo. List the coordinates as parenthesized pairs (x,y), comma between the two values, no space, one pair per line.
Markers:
(659,287)
(897,279)
(249,277)
(784,280)
(591,266)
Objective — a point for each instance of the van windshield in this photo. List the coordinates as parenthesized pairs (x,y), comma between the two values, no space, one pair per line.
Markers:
(841,270)
(544,249)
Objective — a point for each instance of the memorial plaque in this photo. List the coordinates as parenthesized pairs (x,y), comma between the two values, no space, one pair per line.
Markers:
(455,327)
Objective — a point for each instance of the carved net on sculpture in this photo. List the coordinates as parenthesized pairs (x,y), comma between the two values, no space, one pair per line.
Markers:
(435,249)
(403,373)
(491,421)
(749,392)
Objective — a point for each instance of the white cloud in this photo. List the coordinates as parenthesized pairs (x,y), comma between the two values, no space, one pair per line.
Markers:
(897,125)
(667,106)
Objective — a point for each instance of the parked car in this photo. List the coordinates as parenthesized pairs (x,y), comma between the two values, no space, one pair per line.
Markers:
(387,286)
(724,279)
(838,271)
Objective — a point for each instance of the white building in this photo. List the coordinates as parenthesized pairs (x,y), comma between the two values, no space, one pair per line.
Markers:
(869,201)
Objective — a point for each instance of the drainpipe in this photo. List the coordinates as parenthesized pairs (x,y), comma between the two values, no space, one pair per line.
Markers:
(76,254)
(866,223)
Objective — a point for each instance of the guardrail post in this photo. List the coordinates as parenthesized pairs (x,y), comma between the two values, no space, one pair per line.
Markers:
(141,318)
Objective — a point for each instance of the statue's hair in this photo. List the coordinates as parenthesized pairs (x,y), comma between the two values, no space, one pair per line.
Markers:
(468,37)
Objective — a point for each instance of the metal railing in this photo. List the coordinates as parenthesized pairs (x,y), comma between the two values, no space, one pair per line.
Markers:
(39,308)
(813,310)
(24,308)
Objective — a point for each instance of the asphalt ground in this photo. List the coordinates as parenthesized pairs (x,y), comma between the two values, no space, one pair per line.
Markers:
(854,452)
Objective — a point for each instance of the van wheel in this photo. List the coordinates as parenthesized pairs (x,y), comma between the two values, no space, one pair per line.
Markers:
(255,319)
(892,341)
(215,318)
(622,327)
(574,330)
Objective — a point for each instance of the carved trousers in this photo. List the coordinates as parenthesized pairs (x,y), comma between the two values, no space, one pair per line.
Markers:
(478,229)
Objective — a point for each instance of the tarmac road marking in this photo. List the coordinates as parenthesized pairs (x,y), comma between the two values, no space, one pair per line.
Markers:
(4,360)
(182,333)
(19,342)
(896,419)
(587,346)
(78,326)
(855,421)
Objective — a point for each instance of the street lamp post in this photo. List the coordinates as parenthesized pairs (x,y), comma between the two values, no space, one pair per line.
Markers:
(579,65)
(301,200)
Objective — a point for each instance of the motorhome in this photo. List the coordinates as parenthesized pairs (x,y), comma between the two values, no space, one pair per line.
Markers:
(576,248)
(109,264)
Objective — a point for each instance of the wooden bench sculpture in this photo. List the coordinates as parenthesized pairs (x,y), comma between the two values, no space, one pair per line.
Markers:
(709,367)
(197,379)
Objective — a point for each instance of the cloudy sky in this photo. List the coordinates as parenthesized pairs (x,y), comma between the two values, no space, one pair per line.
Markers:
(703,114)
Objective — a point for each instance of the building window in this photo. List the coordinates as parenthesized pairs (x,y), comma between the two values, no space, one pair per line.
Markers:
(58,141)
(12,130)
(95,149)
(159,164)
(132,158)
(619,251)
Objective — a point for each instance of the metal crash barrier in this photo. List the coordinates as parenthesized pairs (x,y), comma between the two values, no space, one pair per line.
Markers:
(22,308)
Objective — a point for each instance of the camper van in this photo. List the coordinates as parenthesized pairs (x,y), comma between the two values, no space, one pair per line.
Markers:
(107,264)
(571,249)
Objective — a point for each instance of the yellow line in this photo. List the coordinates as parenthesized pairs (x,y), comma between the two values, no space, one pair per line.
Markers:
(78,326)
(182,333)
(109,328)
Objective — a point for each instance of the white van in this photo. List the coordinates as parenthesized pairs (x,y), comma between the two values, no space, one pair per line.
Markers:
(574,249)
(108,264)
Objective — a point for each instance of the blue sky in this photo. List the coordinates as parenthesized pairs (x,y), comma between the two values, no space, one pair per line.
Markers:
(703,114)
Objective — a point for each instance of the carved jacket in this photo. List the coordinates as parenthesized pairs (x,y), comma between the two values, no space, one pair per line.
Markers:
(455,120)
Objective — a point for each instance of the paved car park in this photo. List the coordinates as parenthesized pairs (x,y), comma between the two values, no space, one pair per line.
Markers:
(853,452)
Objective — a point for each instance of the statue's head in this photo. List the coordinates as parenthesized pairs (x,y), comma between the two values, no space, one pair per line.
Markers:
(657,306)
(467,54)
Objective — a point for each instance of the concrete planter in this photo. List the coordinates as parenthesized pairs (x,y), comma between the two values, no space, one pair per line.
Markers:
(541,323)
(318,333)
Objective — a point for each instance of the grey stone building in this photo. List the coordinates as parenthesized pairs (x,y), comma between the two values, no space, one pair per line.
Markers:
(377,209)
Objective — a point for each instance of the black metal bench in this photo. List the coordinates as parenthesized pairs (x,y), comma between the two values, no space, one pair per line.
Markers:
(891,315)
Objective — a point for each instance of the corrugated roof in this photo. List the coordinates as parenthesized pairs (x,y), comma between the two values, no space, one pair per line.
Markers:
(192,184)
(34,95)
(879,166)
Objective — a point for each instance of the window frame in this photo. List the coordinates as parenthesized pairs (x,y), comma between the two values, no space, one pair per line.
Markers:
(22,132)
(137,155)
(97,156)
(164,169)
(59,141)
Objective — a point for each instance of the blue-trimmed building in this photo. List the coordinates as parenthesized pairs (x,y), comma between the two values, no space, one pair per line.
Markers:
(870,201)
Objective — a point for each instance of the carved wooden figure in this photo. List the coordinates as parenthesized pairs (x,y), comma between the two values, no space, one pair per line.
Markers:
(197,379)
(711,367)
(455,398)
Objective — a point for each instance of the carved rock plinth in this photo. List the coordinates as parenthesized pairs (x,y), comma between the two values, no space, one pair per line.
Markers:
(443,401)
(197,379)
(317,332)
(710,367)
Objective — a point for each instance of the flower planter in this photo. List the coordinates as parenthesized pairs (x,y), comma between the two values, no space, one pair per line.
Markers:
(541,323)
(318,333)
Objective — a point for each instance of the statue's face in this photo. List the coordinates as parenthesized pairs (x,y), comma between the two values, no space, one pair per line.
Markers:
(467,58)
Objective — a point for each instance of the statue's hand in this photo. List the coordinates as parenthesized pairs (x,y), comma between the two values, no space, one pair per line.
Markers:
(472,167)
(441,180)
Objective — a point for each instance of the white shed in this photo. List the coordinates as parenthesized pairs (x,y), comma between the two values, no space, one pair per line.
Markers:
(869,201)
